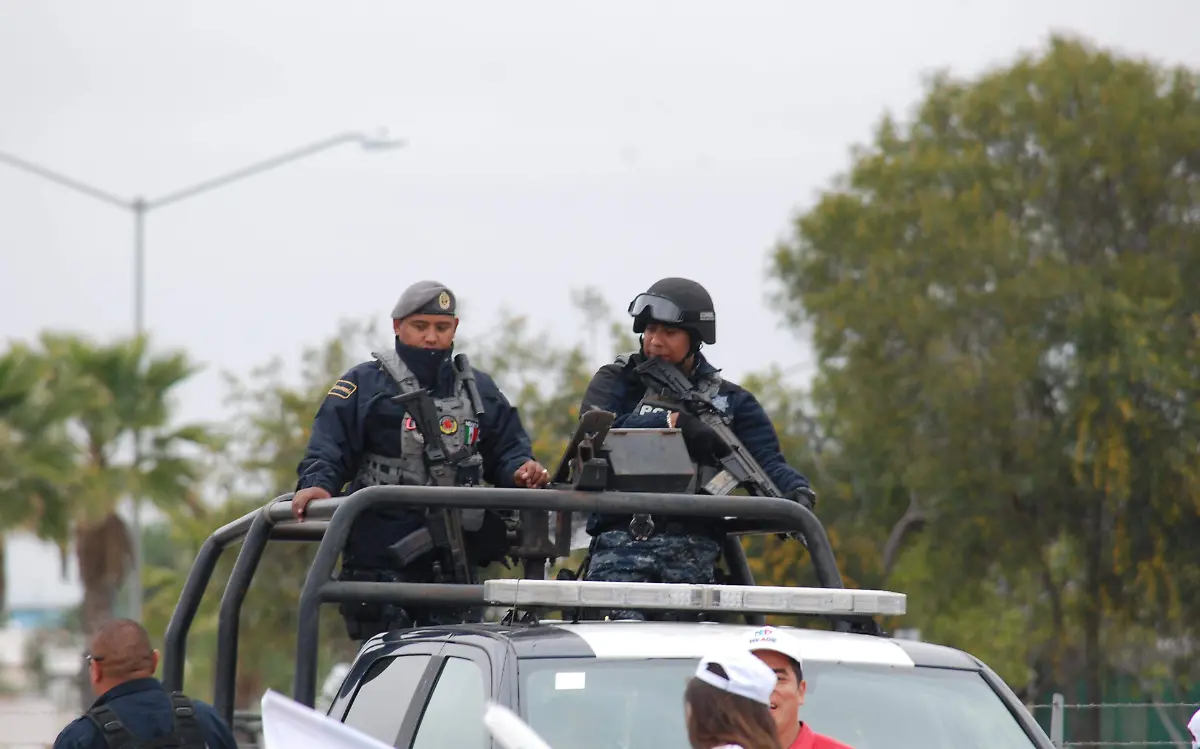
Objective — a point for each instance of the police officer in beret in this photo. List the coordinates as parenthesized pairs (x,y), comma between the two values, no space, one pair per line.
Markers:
(675,318)
(361,438)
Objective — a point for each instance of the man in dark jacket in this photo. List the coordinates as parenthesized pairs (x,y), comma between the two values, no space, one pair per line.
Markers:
(675,318)
(131,707)
(361,437)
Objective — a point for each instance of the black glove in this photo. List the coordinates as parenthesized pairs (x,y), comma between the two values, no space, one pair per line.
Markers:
(703,444)
(806,497)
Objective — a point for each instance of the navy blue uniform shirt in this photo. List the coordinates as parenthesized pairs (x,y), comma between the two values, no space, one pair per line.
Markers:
(146,711)
(619,389)
(357,417)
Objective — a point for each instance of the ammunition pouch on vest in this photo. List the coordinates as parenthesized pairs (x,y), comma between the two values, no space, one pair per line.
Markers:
(671,525)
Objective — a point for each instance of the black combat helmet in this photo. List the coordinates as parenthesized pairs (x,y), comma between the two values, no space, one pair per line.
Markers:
(680,303)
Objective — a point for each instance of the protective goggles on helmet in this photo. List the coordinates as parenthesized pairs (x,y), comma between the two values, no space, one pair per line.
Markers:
(663,310)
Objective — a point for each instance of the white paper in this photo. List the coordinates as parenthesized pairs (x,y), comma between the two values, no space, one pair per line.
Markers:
(286,724)
(569,680)
(509,730)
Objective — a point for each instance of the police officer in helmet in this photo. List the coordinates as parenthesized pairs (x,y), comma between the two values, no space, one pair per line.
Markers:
(675,318)
(363,438)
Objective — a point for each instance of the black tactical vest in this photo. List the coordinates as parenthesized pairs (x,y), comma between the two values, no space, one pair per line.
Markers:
(186,733)
(460,428)
(708,386)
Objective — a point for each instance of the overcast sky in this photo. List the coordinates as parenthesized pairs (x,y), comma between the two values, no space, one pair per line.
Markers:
(552,145)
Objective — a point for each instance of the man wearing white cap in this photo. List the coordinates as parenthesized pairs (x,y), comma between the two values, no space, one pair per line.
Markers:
(781,652)
(1194,727)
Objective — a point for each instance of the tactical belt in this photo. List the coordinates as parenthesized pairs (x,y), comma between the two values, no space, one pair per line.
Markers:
(664,525)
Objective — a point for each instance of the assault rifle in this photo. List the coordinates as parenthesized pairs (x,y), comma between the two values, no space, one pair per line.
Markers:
(667,387)
(445,524)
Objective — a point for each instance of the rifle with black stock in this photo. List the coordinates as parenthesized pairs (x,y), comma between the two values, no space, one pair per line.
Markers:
(667,385)
(445,523)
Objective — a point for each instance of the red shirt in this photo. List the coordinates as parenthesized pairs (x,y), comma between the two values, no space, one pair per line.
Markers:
(806,739)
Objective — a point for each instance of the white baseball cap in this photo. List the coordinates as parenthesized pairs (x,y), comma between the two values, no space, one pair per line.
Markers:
(1194,727)
(746,676)
(777,641)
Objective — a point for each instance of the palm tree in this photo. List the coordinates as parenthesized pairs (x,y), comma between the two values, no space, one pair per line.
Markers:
(270,430)
(120,398)
(36,456)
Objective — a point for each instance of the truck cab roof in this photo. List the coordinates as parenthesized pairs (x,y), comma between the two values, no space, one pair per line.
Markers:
(620,683)
(553,638)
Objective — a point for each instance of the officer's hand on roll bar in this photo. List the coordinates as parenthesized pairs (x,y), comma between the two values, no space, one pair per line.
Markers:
(301,499)
(531,475)
(805,497)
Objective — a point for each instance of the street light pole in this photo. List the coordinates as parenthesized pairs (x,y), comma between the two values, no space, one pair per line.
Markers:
(136,594)
(140,207)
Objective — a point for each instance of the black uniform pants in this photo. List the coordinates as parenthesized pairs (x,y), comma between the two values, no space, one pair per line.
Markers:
(365,620)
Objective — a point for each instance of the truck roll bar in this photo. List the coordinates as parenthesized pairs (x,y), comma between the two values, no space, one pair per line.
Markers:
(598,474)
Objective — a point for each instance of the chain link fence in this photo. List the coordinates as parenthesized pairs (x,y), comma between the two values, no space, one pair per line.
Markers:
(1122,724)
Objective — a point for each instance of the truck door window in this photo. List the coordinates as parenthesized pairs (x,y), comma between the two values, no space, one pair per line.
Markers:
(384,694)
(454,715)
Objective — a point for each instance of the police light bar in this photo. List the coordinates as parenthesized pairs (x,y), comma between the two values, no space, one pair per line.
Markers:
(684,597)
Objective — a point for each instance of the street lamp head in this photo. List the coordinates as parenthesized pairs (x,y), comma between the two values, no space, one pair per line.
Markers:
(379,140)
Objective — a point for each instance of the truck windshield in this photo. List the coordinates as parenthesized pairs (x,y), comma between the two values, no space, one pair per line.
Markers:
(638,704)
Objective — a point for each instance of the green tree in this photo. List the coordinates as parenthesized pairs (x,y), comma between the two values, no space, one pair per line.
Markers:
(114,392)
(1002,294)
(35,452)
(545,380)
(856,542)
(274,407)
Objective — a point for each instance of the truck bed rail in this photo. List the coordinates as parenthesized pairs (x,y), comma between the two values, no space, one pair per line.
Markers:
(329,521)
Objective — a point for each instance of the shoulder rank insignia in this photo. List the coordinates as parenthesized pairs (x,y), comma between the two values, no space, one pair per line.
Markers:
(343,389)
